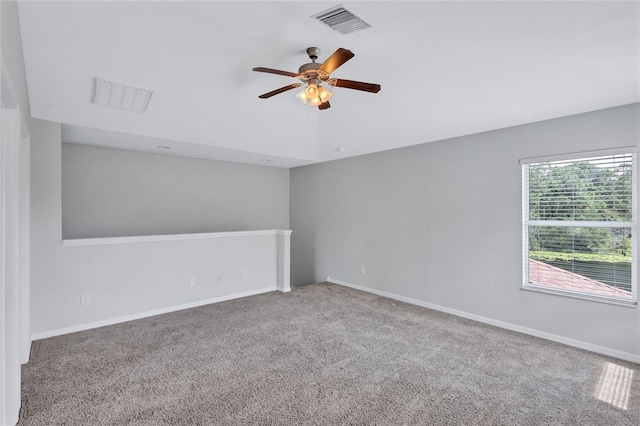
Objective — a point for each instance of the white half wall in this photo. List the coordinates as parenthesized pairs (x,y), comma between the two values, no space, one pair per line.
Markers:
(131,277)
(440,223)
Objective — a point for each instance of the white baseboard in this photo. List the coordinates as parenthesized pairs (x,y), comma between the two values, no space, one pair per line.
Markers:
(509,326)
(117,320)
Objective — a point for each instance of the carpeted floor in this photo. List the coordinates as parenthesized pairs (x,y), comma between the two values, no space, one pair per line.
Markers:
(320,355)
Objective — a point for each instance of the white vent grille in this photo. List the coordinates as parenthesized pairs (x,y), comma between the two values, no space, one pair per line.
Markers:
(116,95)
(341,20)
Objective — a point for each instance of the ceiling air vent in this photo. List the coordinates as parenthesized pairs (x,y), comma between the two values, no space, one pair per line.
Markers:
(116,95)
(341,20)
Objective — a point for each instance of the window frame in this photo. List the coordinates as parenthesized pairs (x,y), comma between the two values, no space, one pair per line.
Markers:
(526,222)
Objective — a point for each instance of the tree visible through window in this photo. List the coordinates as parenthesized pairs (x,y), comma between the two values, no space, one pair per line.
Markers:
(579,225)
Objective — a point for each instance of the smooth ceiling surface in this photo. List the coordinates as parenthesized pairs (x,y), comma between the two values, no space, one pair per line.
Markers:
(446,68)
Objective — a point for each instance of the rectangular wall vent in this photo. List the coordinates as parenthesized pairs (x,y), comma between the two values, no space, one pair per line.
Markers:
(116,95)
(341,20)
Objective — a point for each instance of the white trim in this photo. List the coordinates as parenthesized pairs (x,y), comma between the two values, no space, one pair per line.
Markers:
(579,223)
(24,199)
(4,329)
(132,317)
(574,155)
(525,219)
(593,297)
(283,262)
(10,372)
(627,356)
(14,234)
(634,229)
(168,237)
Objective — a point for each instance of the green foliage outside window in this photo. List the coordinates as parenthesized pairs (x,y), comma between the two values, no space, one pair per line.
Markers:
(581,191)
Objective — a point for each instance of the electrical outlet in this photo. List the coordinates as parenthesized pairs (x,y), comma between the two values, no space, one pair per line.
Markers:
(192,282)
(85,299)
(244,275)
(219,278)
(363,270)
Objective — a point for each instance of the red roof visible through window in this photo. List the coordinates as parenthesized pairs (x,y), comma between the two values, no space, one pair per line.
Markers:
(550,276)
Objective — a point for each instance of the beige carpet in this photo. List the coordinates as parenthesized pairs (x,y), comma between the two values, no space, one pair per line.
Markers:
(320,355)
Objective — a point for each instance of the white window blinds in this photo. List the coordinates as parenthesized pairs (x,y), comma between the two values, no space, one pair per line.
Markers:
(579,225)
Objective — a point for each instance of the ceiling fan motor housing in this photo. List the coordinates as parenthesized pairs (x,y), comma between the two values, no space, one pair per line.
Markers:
(308,71)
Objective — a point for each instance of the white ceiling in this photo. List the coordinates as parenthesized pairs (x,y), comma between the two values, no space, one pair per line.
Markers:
(446,68)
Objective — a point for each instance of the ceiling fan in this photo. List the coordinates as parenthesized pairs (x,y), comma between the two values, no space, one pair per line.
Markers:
(314,74)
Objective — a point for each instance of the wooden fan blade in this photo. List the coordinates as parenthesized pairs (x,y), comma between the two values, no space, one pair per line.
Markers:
(332,63)
(357,85)
(325,105)
(272,71)
(280,90)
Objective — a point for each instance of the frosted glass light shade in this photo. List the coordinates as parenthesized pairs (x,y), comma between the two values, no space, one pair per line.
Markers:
(312,91)
(302,95)
(324,94)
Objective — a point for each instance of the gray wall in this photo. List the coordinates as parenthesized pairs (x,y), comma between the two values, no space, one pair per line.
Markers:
(112,192)
(441,223)
(12,58)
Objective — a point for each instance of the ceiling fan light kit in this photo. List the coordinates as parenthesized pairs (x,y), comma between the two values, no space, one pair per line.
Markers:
(314,94)
(313,74)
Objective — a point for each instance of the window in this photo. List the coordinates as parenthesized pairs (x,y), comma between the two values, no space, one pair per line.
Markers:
(579,225)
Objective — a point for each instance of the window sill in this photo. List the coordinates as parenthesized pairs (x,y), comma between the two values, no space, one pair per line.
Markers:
(583,296)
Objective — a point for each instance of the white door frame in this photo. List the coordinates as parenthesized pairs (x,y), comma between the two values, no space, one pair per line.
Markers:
(12,227)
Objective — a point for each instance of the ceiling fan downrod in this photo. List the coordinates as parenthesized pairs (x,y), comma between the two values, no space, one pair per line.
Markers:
(313,53)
